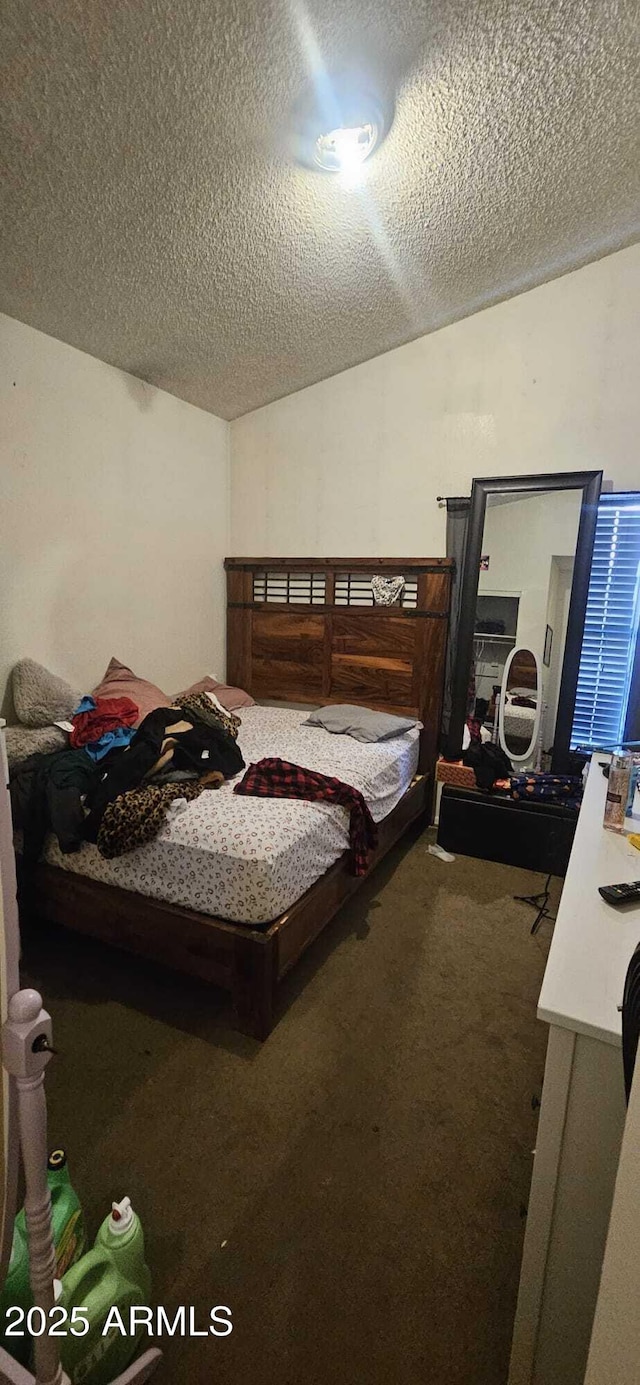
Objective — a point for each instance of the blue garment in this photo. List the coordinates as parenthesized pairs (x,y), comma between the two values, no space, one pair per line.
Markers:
(98,749)
(121,736)
(86,704)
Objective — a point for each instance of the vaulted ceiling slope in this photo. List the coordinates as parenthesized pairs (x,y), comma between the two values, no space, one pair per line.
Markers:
(154,216)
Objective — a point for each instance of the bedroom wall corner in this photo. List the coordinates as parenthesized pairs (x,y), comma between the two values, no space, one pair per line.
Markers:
(115,502)
(543,382)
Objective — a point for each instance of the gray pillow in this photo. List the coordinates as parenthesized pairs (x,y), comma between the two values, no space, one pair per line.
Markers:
(361,722)
(23,741)
(39,697)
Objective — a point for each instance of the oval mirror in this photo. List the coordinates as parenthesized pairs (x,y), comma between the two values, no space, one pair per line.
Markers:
(520,705)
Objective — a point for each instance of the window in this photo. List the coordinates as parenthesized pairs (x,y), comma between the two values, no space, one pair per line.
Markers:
(609,655)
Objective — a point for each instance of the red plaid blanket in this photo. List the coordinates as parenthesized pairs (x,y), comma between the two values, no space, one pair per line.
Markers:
(273,778)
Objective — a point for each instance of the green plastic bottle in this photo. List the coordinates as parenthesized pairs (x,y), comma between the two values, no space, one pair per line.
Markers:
(68,1239)
(17,1292)
(69,1235)
(112,1276)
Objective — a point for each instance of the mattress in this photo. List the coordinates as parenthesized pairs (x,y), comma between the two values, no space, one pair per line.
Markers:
(518,721)
(249,859)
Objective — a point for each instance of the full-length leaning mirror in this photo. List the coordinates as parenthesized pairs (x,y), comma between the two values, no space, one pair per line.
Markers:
(523,601)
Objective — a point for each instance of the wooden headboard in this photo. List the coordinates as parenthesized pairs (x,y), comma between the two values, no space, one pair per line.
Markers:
(307,630)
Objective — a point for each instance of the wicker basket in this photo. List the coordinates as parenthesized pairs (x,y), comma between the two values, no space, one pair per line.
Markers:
(462,776)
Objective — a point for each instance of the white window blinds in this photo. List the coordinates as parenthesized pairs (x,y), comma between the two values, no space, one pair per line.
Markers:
(611,624)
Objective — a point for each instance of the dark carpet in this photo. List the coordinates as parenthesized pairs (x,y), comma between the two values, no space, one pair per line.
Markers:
(354,1189)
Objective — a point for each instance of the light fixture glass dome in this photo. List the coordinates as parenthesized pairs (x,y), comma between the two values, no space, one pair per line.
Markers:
(338,123)
(344,149)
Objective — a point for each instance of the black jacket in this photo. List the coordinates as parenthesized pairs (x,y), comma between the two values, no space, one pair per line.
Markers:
(200,748)
(47,794)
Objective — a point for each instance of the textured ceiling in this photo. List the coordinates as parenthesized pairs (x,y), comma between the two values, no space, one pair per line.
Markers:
(154,217)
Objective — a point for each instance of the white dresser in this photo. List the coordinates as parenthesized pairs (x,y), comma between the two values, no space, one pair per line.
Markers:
(583,1107)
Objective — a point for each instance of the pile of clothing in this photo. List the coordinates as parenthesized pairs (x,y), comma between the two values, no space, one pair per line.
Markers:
(493,770)
(564,789)
(102,725)
(489,763)
(115,785)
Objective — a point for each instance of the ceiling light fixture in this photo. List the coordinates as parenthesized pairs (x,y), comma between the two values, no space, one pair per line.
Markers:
(343,150)
(338,124)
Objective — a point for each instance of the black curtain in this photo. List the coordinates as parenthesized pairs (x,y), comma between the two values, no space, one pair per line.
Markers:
(457,526)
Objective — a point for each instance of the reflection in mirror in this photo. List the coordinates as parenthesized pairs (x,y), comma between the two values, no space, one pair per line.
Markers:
(520,707)
(526,571)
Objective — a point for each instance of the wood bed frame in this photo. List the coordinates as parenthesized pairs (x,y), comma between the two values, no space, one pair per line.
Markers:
(296,632)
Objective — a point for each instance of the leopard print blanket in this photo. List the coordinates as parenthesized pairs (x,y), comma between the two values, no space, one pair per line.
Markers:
(203,709)
(135,817)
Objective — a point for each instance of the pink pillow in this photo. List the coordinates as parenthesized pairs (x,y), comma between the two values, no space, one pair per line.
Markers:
(121,681)
(231,698)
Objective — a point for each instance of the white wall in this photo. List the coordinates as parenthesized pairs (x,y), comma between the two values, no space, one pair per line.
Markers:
(520,539)
(115,495)
(115,519)
(547,381)
(558,618)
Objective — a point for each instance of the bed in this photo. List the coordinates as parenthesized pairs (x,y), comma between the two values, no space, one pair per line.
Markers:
(519,721)
(235,889)
(247,860)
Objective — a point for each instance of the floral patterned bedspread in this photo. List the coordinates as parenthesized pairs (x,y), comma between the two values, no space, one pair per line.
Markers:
(249,859)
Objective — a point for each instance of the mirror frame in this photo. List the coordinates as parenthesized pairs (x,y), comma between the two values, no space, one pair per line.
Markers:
(502,740)
(589,483)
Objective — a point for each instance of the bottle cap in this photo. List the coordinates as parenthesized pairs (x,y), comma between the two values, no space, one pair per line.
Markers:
(121,1217)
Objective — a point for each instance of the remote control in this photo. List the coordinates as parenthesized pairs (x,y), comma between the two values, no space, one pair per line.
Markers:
(626,893)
